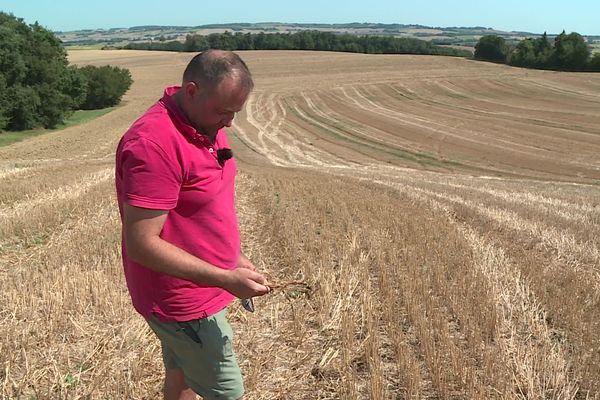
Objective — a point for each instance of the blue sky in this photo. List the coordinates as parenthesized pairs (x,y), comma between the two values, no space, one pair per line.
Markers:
(523,15)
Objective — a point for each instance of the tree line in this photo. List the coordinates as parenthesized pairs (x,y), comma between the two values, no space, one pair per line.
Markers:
(568,52)
(38,87)
(305,40)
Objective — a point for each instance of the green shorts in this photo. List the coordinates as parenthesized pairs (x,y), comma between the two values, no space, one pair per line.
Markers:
(203,349)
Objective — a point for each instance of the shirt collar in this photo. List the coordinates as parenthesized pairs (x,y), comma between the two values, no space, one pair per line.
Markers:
(182,123)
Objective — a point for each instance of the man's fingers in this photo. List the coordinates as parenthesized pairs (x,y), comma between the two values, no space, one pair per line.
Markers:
(261,289)
(263,284)
(253,283)
(260,278)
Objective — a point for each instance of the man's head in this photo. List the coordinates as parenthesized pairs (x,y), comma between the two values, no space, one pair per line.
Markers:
(215,86)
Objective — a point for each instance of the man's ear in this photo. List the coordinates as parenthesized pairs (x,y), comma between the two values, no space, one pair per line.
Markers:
(191,89)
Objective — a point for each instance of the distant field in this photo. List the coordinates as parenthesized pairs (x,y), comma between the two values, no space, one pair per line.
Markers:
(86,47)
(122,36)
(444,213)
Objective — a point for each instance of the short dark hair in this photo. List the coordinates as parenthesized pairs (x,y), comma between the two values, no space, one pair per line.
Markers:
(212,66)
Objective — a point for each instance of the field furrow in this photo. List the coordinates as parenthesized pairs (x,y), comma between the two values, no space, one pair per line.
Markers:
(537,268)
(33,220)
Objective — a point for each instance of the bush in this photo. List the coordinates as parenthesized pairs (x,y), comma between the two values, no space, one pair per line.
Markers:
(105,86)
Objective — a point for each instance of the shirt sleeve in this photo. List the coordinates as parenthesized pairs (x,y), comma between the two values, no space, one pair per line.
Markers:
(150,178)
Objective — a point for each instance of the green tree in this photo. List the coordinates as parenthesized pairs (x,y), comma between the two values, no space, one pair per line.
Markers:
(491,48)
(13,38)
(4,104)
(304,40)
(543,51)
(524,54)
(74,84)
(34,69)
(244,41)
(259,41)
(324,41)
(571,51)
(542,44)
(195,43)
(173,45)
(227,41)
(24,108)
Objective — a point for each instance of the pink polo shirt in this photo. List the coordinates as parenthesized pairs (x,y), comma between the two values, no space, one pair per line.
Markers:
(163,163)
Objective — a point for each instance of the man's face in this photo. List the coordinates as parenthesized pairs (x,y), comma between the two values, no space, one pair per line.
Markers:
(212,109)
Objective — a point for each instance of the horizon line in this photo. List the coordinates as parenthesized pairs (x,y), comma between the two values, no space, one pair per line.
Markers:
(319,23)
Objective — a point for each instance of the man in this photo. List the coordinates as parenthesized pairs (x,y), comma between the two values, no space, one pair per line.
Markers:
(181,244)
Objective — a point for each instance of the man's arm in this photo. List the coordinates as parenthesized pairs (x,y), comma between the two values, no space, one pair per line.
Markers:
(141,230)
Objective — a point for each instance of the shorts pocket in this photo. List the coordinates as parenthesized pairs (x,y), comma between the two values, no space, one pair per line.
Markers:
(216,335)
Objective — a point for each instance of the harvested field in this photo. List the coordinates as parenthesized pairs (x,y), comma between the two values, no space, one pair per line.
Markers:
(444,213)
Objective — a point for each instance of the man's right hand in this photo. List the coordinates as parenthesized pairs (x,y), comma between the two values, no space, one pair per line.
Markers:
(245,283)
